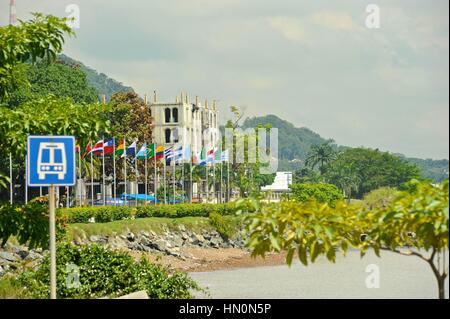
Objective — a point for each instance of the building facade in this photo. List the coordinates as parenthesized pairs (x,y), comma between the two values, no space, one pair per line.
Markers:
(183,122)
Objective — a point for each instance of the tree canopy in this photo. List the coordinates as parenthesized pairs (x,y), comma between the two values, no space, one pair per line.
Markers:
(363,170)
(40,38)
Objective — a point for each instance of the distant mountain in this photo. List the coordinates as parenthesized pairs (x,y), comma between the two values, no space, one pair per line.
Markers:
(100,81)
(294,144)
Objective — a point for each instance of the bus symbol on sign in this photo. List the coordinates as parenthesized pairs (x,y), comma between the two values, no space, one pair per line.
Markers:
(52,165)
(51,160)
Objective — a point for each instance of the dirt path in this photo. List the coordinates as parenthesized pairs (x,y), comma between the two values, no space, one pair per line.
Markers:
(208,259)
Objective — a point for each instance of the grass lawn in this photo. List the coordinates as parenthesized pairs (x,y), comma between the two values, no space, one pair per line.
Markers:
(155,224)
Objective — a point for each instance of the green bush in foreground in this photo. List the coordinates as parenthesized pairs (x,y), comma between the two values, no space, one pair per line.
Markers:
(103,273)
(104,214)
(219,223)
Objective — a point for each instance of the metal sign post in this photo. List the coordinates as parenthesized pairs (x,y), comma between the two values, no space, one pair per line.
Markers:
(51,162)
(52,247)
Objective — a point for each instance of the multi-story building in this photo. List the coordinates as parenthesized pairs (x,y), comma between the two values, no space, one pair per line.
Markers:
(184,122)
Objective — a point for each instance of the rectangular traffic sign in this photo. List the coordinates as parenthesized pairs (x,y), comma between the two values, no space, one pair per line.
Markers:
(50,160)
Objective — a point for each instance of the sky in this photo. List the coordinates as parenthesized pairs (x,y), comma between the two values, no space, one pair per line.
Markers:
(313,63)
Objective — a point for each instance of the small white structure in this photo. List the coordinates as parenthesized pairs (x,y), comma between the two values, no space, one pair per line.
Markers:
(279,186)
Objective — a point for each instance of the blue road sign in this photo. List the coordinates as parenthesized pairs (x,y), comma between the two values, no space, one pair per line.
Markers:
(50,160)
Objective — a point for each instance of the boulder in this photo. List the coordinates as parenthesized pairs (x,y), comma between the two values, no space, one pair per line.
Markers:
(9,257)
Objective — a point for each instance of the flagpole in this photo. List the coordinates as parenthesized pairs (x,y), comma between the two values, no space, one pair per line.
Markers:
(173,179)
(191,191)
(79,175)
(207,183)
(125,167)
(221,180)
(164,179)
(136,174)
(92,177)
(182,175)
(228,180)
(103,171)
(114,171)
(11,194)
(145,164)
(214,180)
(155,182)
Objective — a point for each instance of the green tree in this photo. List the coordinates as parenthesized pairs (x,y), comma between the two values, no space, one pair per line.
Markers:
(322,193)
(54,78)
(306,175)
(415,224)
(40,38)
(320,155)
(365,169)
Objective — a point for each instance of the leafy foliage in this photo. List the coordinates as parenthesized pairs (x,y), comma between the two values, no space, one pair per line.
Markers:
(365,170)
(379,198)
(49,115)
(103,272)
(219,223)
(28,223)
(54,78)
(322,193)
(415,224)
(40,38)
(103,214)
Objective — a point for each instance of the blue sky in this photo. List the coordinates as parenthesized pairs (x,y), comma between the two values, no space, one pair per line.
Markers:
(313,63)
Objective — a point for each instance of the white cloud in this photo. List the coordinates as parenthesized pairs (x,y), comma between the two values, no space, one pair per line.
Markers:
(290,28)
(335,20)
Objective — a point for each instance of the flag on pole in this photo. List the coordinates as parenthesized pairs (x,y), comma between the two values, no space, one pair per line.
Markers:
(210,156)
(187,153)
(160,152)
(142,154)
(178,154)
(218,156)
(131,150)
(225,156)
(168,154)
(108,147)
(87,151)
(202,158)
(151,151)
(98,148)
(120,148)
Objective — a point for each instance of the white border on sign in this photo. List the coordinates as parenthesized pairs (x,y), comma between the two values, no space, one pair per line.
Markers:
(28,159)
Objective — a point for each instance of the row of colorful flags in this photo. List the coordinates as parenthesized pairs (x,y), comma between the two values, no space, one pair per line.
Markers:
(152,151)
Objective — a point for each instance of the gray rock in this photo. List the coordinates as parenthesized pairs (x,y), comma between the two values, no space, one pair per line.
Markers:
(33,255)
(130,236)
(199,238)
(94,238)
(8,256)
(177,241)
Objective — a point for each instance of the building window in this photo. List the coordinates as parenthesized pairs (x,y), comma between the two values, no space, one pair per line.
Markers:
(167,133)
(175,135)
(167,115)
(175,114)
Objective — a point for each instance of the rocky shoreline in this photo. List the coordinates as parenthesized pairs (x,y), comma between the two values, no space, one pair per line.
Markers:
(167,242)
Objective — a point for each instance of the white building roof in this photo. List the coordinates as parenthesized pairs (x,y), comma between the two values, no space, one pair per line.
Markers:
(281,182)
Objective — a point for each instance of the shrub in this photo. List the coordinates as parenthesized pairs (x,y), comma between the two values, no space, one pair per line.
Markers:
(103,272)
(184,210)
(219,223)
(379,198)
(322,193)
(102,214)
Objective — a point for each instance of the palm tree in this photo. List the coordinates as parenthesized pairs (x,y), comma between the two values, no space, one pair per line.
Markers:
(320,155)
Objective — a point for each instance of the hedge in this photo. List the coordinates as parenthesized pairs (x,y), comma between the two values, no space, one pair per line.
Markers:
(104,214)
